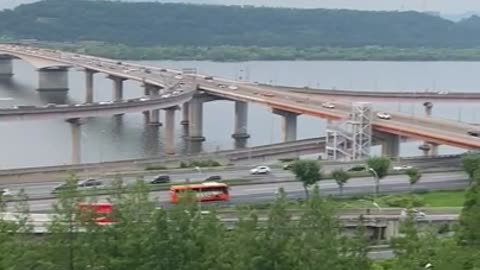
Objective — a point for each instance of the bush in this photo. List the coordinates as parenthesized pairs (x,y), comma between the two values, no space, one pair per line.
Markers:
(152,167)
(200,163)
(403,201)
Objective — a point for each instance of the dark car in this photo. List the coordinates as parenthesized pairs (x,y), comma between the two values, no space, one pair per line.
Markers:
(213,178)
(160,179)
(208,78)
(359,168)
(474,133)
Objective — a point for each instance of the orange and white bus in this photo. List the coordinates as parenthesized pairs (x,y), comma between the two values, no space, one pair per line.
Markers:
(204,192)
(101,212)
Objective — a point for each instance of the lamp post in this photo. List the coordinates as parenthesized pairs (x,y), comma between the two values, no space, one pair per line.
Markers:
(377,181)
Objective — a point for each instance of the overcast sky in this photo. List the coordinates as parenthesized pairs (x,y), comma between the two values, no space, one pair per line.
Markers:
(444,6)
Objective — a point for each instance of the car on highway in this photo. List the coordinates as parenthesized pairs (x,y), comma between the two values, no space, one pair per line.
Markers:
(105,102)
(144,99)
(163,70)
(5,192)
(384,116)
(268,94)
(208,78)
(328,105)
(166,96)
(260,170)
(358,168)
(442,92)
(221,85)
(84,184)
(402,168)
(213,178)
(233,87)
(178,77)
(160,179)
(474,133)
(50,105)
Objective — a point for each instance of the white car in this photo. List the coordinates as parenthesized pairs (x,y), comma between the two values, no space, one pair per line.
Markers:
(233,87)
(144,99)
(328,105)
(178,77)
(384,116)
(166,96)
(5,192)
(402,168)
(260,170)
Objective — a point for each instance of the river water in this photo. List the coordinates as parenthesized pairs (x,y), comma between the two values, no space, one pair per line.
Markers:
(47,142)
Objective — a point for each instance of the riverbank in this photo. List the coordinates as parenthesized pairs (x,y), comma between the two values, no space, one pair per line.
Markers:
(238,54)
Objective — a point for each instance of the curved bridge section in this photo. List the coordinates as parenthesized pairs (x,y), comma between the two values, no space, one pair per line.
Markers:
(93,110)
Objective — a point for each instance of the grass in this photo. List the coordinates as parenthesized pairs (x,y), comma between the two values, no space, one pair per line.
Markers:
(444,199)
(431,199)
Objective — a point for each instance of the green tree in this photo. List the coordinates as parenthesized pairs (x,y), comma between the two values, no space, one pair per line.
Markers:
(341,177)
(470,164)
(414,176)
(469,232)
(308,172)
(379,167)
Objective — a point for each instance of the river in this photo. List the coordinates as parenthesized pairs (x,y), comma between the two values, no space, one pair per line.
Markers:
(47,142)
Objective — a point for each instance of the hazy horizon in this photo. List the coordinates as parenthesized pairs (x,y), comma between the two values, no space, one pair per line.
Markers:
(443,6)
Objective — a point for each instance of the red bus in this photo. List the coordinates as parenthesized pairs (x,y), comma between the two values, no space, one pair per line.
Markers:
(204,192)
(100,211)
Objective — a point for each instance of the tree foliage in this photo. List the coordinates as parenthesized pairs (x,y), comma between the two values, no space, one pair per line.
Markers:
(208,25)
(414,175)
(470,164)
(380,165)
(341,177)
(308,172)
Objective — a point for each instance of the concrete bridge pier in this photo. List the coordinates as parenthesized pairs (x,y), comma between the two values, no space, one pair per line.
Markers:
(155,114)
(53,79)
(146,93)
(117,88)
(289,125)
(434,149)
(195,120)
(169,144)
(185,109)
(6,67)
(89,85)
(240,133)
(391,146)
(76,133)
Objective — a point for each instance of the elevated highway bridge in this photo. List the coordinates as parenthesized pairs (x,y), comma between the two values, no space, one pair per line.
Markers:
(162,88)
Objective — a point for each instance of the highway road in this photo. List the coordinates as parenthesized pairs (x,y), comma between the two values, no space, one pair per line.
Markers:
(43,188)
(257,193)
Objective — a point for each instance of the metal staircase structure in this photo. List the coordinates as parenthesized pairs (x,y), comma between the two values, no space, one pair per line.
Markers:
(351,138)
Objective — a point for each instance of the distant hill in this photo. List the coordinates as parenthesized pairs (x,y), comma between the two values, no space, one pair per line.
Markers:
(150,24)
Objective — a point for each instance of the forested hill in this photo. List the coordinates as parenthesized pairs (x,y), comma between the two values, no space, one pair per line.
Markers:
(148,24)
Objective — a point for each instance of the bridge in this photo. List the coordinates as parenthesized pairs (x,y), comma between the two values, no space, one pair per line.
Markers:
(349,133)
(385,96)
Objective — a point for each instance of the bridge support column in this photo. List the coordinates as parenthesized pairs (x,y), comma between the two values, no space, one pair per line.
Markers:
(76,131)
(169,144)
(434,149)
(53,79)
(117,88)
(195,120)
(89,85)
(155,114)
(240,133)
(289,125)
(6,67)
(426,147)
(185,109)
(391,146)
(146,93)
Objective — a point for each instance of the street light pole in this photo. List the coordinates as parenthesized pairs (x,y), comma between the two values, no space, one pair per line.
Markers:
(377,181)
